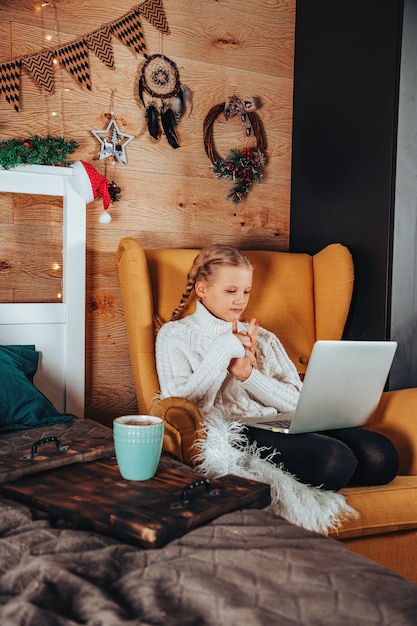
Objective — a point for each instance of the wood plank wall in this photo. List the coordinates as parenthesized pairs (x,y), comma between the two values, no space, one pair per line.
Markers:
(170,198)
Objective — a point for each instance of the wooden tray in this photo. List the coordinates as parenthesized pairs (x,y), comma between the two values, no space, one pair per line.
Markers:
(34,450)
(148,513)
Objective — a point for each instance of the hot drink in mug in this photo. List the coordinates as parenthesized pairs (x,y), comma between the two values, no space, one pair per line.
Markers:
(138,445)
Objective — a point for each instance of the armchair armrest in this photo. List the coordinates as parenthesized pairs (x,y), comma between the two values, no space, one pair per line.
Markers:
(183,425)
(396,418)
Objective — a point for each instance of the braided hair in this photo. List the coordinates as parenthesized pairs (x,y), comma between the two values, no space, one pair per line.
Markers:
(204,266)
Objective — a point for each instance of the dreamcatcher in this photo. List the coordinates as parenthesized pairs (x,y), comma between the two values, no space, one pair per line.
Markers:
(159,80)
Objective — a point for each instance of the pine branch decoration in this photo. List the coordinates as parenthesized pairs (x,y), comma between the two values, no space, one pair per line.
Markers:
(243,167)
(36,151)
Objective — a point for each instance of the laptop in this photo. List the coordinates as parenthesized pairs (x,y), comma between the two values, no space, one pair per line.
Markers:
(342,387)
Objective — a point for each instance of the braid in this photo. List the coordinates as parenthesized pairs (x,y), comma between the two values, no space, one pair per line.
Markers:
(204,266)
(177,312)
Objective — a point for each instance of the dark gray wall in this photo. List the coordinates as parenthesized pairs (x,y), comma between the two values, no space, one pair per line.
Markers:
(404,274)
(347,68)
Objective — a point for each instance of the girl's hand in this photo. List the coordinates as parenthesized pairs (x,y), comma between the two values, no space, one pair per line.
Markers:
(244,338)
(252,332)
(248,338)
(241,368)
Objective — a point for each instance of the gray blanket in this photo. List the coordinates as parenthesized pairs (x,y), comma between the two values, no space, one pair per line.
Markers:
(247,568)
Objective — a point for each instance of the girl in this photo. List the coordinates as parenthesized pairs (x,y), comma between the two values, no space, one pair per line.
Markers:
(240,369)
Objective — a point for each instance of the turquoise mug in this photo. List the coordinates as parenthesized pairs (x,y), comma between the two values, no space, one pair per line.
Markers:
(138,445)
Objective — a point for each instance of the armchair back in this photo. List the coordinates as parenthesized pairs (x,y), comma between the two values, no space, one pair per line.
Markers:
(299,297)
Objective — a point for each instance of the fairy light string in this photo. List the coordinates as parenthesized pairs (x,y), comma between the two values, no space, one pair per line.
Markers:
(54,35)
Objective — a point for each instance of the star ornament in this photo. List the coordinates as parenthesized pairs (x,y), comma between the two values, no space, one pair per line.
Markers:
(113,142)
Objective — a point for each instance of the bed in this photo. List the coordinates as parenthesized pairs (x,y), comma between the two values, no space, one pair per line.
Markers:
(247,567)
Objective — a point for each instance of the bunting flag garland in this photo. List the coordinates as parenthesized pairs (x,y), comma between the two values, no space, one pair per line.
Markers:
(129,30)
(40,66)
(10,82)
(153,11)
(99,42)
(74,58)
(74,55)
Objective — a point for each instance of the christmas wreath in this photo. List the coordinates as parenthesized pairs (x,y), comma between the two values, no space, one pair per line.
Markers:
(243,167)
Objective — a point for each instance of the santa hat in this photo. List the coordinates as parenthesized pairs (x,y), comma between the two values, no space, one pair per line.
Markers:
(90,184)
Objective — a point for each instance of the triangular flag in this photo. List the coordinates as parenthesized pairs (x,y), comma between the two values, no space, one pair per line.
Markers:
(129,30)
(10,82)
(74,58)
(154,12)
(41,67)
(100,43)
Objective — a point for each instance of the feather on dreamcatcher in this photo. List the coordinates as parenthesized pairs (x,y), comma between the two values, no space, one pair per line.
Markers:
(159,81)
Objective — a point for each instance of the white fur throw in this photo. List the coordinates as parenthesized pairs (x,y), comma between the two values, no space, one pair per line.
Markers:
(224,450)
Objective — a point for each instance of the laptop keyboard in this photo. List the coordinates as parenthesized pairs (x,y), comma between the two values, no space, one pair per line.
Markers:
(277,423)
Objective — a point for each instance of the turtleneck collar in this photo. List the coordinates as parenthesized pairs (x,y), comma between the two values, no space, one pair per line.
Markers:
(209,322)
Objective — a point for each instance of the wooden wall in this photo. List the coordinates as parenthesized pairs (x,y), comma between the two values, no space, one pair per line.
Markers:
(169,197)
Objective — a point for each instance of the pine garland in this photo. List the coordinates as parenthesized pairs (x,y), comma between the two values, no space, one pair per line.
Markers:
(244,167)
(36,151)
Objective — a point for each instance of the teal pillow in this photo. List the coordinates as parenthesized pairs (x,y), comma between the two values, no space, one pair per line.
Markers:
(22,405)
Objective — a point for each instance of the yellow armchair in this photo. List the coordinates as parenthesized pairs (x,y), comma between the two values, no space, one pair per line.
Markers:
(301,298)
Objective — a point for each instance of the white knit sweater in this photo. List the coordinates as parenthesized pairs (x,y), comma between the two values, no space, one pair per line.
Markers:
(192,357)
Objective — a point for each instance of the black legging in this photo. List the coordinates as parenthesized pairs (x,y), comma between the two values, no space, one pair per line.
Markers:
(331,459)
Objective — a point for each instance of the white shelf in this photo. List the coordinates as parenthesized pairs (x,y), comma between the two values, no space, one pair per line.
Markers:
(57,330)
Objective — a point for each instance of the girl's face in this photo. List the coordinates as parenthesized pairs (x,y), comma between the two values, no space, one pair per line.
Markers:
(226,293)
